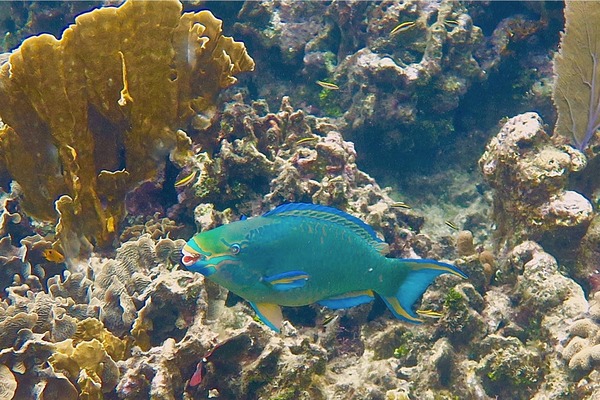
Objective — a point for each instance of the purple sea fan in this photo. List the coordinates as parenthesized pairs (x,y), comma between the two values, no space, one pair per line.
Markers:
(577,74)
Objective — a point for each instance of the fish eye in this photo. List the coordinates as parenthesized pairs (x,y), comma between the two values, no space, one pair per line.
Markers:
(235,248)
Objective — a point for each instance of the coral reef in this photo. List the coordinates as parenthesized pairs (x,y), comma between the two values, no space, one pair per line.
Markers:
(110,133)
(127,322)
(582,348)
(386,80)
(395,77)
(64,337)
(20,19)
(441,54)
(89,358)
(265,159)
(529,174)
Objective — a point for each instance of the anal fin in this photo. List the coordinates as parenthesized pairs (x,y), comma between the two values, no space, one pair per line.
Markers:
(347,300)
(269,314)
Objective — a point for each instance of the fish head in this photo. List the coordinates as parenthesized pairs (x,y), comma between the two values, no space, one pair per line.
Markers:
(208,252)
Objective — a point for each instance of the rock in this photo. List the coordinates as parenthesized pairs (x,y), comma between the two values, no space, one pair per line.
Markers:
(529,174)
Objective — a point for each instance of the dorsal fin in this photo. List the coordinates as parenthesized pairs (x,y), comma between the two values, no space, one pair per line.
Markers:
(332,215)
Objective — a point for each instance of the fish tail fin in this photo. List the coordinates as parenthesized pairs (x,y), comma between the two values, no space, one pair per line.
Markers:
(418,275)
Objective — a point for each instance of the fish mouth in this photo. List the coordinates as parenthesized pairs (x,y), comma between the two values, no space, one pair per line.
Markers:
(196,262)
(190,258)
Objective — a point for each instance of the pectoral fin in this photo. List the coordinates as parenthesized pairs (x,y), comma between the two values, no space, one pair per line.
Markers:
(287,280)
(270,314)
(347,300)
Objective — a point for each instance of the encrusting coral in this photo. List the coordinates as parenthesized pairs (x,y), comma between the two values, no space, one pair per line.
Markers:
(73,323)
(102,107)
(8,383)
(582,348)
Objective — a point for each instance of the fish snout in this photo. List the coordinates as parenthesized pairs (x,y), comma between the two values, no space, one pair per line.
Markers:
(190,257)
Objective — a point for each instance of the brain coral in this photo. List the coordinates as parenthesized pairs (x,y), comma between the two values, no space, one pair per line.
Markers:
(101,107)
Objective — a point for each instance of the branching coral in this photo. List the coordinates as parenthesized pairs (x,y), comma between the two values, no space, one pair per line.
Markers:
(101,108)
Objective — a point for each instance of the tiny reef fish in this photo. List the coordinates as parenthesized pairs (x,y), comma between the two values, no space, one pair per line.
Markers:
(451,225)
(53,255)
(307,139)
(429,313)
(111,225)
(299,254)
(328,85)
(404,26)
(329,319)
(186,179)
(400,204)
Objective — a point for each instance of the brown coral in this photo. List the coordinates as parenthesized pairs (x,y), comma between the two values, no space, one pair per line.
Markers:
(101,108)
(8,383)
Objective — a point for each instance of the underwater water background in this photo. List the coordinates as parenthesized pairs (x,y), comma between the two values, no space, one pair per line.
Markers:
(440,124)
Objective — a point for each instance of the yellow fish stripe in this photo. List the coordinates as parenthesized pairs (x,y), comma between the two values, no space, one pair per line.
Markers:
(404,26)
(439,267)
(289,280)
(307,139)
(356,293)
(429,313)
(186,179)
(397,309)
(400,204)
(270,314)
(328,85)
(451,225)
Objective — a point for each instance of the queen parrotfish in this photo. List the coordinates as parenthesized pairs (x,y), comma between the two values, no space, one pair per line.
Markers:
(299,254)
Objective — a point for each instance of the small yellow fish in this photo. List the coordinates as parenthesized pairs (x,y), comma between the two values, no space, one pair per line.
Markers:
(111,226)
(451,225)
(401,204)
(53,256)
(186,180)
(328,85)
(429,313)
(451,22)
(307,139)
(403,27)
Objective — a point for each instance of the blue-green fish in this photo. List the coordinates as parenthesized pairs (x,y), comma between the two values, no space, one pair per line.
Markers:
(299,254)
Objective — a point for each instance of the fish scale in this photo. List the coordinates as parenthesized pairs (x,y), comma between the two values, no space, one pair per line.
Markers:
(313,246)
(299,254)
